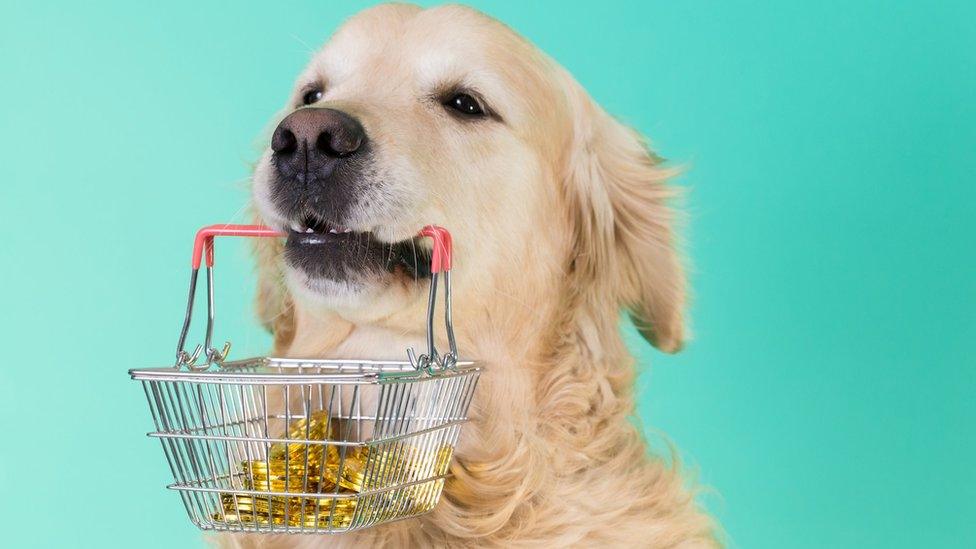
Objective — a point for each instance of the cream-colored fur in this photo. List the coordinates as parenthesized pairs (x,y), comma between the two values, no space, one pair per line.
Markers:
(560,218)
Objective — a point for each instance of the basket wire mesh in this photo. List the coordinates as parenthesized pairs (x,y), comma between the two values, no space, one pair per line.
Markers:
(289,445)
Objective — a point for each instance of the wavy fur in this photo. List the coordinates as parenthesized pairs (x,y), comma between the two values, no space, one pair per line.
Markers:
(552,457)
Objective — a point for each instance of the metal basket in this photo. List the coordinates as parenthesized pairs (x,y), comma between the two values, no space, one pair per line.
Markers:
(288,445)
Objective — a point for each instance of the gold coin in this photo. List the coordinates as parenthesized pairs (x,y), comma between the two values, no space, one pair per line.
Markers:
(310,512)
(295,518)
(317,427)
(352,466)
(276,470)
(325,522)
(299,466)
(241,500)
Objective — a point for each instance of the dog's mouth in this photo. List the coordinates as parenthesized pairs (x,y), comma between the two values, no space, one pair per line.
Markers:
(310,224)
(324,250)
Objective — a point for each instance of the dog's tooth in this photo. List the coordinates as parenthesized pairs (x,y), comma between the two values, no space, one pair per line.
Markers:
(309,230)
(347,230)
(333,231)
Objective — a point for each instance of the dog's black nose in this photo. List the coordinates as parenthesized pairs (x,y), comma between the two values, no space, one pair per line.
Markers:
(310,141)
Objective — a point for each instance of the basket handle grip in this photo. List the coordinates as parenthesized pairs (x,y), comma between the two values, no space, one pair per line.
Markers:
(440,259)
(205,237)
(203,252)
(203,248)
(440,266)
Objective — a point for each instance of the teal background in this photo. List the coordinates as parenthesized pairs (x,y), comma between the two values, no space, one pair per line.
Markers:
(827,398)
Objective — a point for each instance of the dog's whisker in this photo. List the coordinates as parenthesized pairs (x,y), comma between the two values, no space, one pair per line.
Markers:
(308,48)
(238,214)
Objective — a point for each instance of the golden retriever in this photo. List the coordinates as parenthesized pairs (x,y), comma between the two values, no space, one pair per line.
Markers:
(560,218)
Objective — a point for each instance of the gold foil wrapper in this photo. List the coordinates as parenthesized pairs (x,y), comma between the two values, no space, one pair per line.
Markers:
(281,511)
(339,473)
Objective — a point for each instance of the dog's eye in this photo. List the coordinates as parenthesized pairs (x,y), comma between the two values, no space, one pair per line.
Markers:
(312,96)
(465,104)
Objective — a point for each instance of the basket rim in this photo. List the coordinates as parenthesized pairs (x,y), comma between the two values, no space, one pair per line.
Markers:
(377,372)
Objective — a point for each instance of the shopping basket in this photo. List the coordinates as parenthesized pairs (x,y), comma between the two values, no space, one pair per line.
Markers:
(287,445)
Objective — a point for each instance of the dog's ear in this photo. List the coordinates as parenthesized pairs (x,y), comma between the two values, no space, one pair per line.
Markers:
(272,301)
(623,238)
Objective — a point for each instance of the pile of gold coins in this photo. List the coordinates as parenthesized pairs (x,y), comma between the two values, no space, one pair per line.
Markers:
(338,471)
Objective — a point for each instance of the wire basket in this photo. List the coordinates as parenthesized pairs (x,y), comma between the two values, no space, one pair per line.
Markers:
(288,445)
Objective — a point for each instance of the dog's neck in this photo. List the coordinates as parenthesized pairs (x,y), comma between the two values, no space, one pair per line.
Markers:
(545,376)
(327,335)
(549,430)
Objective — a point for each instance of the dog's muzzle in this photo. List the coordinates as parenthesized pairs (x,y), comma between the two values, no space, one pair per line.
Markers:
(310,144)
(319,157)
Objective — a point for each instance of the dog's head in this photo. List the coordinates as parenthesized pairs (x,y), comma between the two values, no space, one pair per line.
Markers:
(409,117)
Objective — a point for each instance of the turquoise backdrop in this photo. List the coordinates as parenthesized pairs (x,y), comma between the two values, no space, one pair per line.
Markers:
(827,399)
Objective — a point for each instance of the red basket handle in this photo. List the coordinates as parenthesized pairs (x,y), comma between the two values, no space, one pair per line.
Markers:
(440,258)
(440,265)
(203,247)
(205,238)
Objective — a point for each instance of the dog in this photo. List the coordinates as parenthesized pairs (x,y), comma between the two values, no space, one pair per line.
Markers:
(560,216)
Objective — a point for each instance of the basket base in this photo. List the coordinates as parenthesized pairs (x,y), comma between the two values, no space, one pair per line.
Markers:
(255,514)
